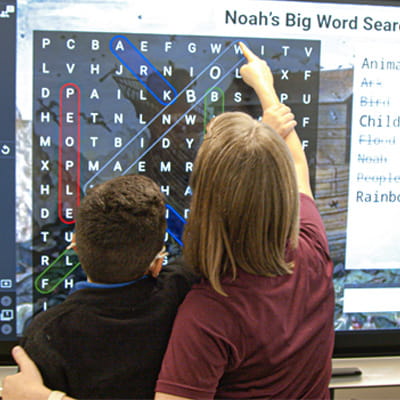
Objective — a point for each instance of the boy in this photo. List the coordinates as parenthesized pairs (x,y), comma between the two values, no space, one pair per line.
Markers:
(108,338)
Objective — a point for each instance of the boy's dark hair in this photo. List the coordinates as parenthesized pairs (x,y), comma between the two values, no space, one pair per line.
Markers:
(120,227)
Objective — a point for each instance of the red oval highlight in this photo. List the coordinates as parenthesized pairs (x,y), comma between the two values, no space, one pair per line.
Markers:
(69,152)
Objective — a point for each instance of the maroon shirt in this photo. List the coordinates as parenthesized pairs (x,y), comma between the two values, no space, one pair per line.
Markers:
(271,338)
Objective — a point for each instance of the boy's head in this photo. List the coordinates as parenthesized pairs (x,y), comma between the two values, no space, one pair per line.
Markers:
(120,228)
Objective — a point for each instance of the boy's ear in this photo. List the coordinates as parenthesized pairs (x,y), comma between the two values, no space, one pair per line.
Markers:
(72,245)
(155,267)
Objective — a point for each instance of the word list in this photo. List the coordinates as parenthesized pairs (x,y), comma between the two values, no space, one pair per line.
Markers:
(374,186)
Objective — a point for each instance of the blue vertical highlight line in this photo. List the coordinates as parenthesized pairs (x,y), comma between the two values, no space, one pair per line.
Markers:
(143,70)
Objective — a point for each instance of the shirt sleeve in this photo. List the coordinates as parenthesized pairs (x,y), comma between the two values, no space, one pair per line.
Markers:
(312,231)
(199,351)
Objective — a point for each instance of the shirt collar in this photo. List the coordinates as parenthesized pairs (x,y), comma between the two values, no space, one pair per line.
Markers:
(93,285)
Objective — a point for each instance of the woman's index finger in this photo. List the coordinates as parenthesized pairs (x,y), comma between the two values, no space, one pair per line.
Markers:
(250,56)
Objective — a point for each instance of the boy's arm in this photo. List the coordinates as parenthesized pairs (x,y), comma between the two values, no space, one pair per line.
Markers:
(257,74)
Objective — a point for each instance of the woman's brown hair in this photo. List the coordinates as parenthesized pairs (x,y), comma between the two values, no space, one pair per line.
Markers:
(244,209)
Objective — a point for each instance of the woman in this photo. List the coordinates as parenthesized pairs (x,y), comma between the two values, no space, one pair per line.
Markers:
(260,324)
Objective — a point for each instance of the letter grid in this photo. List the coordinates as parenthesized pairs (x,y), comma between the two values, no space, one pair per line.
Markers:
(112,104)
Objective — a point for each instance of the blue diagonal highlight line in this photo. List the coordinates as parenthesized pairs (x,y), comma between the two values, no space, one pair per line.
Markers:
(143,70)
(202,76)
(200,99)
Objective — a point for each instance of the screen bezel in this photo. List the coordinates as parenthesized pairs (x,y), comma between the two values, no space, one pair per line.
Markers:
(368,343)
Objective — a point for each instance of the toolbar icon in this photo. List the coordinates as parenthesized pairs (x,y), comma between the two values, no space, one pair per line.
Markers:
(6,315)
(10,9)
(6,283)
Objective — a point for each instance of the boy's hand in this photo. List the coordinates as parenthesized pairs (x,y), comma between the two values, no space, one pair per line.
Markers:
(280,118)
(26,384)
(257,74)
